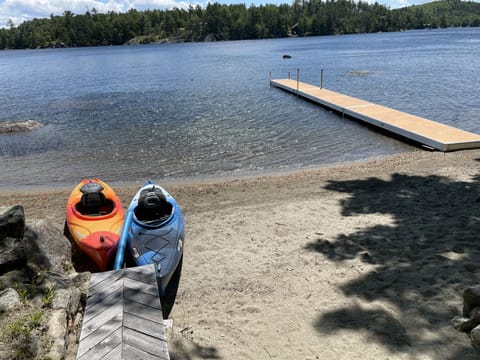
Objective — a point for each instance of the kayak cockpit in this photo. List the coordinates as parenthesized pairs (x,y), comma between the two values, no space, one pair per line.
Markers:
(93,201)
(153,208)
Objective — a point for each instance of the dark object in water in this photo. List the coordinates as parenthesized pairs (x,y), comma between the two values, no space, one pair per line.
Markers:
(287,56)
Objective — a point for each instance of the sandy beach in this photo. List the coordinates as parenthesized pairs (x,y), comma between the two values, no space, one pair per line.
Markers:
(358,261)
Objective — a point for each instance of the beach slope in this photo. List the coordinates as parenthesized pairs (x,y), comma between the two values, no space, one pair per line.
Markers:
(365,260)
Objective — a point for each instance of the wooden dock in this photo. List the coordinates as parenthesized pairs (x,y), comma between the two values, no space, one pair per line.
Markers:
(123,317)
(423,131)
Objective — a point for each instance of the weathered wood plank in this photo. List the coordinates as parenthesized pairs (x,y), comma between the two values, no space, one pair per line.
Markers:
(134,353)
(103,306)
(141,297)
(144,342)
(151,288)
(100,348)
(143,311)
(144,325)
(115,354)
(123,317)
(97,278)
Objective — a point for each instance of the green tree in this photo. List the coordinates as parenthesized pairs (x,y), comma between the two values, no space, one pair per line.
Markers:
(234,22)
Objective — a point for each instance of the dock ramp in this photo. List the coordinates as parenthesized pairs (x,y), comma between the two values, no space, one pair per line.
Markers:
(123,317)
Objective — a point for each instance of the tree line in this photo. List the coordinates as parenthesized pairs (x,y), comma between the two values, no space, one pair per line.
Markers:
(233,22)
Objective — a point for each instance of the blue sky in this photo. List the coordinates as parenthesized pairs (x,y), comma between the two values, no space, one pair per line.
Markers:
(21,10)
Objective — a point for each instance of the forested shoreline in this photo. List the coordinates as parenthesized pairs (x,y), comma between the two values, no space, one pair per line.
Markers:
(217,22)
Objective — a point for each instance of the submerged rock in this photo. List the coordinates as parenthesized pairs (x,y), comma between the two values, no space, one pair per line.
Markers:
(19,126)
(359,72)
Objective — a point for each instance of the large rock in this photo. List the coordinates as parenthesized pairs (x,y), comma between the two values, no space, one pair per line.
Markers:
(475,337)
(38,258)
(19,126)
(12,223)
(467,324)
(12,249)
(9,298)
(41,246)
(471,300)
(48,248)
(57,332)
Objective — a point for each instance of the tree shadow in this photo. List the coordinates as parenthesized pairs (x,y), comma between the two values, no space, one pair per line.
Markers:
(423,260)
(184,351)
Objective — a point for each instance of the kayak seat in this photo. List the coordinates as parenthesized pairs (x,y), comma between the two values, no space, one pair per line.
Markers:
(95,203)
(153,207)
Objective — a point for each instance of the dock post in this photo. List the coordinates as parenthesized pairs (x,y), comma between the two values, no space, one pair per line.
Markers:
(298,77)
(321,79)
(289,75)
(270,79)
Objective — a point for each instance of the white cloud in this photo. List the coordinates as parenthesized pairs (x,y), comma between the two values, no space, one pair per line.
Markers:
(158,4)
(395,4)
(22,10)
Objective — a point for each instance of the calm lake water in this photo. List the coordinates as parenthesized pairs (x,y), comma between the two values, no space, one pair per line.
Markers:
(176,111)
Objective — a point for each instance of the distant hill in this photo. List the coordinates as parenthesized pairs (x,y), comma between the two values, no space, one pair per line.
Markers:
(444,13)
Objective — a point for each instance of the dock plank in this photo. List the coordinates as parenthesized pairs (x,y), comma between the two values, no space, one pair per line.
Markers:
(424,131)
(101,347)
(134,353)
(141,325)
(144,342)
(123,317)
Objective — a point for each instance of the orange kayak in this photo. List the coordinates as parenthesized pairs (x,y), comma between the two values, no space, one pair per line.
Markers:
(95,218)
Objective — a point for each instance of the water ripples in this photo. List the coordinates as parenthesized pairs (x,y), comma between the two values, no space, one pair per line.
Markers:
(183,110)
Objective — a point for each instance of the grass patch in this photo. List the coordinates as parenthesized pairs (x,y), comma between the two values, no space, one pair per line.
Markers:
(48,296)
(21,332)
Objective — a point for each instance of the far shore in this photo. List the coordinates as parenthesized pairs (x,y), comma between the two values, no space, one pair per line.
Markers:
(359,260)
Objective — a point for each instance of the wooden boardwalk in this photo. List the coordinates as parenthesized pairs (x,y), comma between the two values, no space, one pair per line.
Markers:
(427,132)
(123,317)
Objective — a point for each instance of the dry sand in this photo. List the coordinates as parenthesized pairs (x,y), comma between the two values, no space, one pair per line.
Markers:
(360,261)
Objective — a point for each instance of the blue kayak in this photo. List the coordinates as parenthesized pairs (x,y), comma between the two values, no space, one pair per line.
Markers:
(155,232)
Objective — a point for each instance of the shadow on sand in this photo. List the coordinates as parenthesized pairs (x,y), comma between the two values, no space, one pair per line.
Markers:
(423,262)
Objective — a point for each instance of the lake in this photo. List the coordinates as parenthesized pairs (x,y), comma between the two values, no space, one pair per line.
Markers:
(195,110)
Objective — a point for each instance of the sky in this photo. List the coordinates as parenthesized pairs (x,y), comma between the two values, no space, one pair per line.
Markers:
(21,10)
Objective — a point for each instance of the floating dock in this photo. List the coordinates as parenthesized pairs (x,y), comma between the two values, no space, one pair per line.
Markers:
(423,131)
(123,317)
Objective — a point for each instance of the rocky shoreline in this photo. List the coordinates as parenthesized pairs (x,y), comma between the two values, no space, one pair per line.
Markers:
(41,295)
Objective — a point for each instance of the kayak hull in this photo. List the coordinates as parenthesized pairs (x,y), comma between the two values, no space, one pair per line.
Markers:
(157,241)
(95,233)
